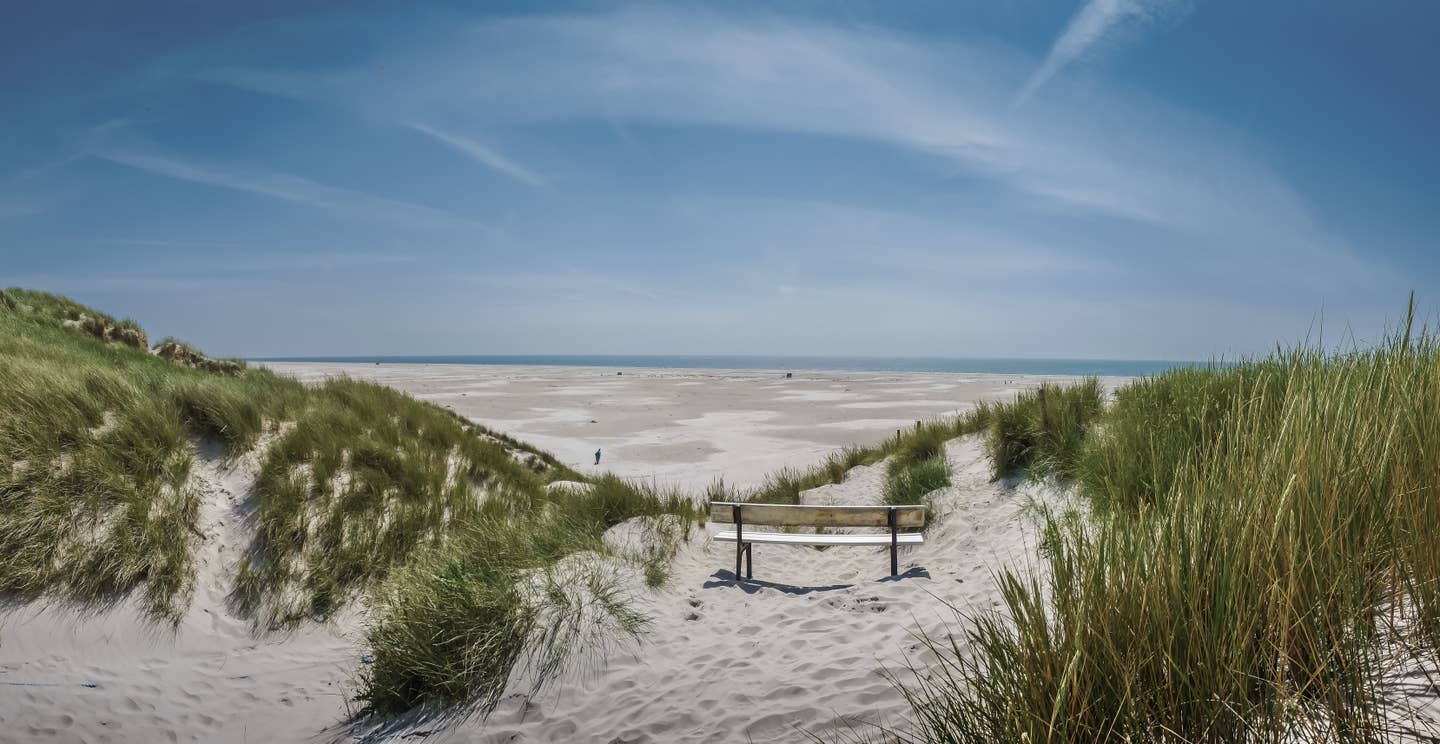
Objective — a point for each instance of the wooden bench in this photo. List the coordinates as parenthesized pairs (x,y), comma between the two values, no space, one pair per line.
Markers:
(789,515)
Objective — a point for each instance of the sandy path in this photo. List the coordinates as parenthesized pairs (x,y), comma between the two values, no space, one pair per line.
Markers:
(801,648)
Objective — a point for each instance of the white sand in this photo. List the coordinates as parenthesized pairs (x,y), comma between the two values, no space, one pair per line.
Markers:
(686,427)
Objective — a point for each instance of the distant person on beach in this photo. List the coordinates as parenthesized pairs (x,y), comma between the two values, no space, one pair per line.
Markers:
(597,457)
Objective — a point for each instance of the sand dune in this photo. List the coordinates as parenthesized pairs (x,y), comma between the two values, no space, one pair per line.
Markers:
(805,646)
(112,676)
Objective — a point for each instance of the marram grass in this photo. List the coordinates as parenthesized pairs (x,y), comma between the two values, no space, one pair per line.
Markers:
(96,453)
(362,491)
(1263,552)
(911,446)
(531,589)
(1042,430)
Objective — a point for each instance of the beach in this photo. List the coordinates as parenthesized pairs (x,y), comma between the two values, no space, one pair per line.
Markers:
(686,427)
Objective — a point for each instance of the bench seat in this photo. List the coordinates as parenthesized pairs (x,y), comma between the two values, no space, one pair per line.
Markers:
(743,515)
(787,538)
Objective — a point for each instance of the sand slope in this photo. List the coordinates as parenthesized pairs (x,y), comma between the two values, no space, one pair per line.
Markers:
(70,676)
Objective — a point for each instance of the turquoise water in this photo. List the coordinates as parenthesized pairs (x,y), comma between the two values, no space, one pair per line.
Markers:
(1102,367)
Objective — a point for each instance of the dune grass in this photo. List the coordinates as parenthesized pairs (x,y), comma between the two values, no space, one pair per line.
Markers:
(98,441)
(784,486)
(472,565)
(910,446)
(364,478)
(910,484)
(96,453)
(1042,430)
(507,588)
(1263,552)
(917,465)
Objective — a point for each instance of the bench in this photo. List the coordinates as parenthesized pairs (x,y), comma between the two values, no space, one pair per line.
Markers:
(791,515)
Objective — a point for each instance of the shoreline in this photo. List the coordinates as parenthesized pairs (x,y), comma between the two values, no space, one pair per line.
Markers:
(1011,366)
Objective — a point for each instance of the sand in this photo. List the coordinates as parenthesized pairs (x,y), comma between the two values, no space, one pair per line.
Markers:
(686,427)
(68,675)
(804,647)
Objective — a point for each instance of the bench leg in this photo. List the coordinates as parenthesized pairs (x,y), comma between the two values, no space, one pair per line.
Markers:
(739,554)
(749,564)
(894,542)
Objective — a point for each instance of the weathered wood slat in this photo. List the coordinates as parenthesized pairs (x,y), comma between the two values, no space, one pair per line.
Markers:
(783,538)
(791,515)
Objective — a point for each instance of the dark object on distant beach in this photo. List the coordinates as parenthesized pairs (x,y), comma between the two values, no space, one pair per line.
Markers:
(789,375)
(617,374)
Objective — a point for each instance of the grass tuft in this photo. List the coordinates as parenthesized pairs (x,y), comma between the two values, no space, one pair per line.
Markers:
(1043,429)
(454,623)
(913,483)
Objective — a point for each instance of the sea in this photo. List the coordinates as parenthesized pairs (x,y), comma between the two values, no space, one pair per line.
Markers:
(1078,367)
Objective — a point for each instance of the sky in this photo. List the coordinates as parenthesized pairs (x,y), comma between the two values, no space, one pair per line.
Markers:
(1127,179)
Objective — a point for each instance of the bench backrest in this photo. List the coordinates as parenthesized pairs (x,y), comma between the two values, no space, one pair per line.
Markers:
(794,515)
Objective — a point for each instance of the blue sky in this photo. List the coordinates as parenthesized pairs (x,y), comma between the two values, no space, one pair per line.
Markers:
(1110,178)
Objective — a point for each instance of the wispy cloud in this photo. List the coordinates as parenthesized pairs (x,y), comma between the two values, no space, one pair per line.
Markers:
(1134,163)
(1112,210)
(481,154)
(307,88)
(294,189)
(1093,25)
(1107,156)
